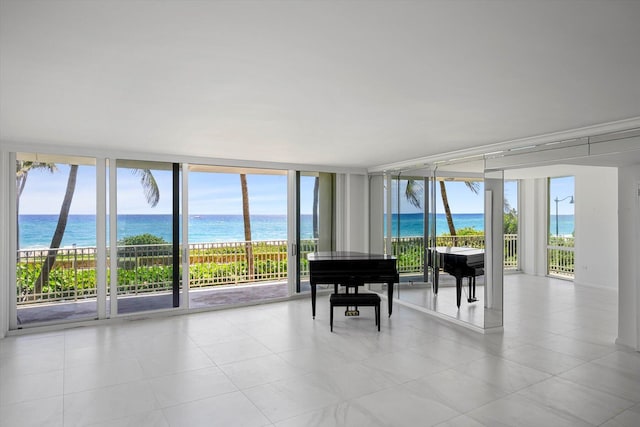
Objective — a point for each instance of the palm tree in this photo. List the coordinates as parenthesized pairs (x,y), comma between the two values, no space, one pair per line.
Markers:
(247,225)
(23,167)
(152,194)
(447,209)
(50,260)
(471,185)
(413,192)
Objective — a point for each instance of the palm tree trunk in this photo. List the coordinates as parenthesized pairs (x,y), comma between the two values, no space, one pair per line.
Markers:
(447,211)
(247,225)
(47,265)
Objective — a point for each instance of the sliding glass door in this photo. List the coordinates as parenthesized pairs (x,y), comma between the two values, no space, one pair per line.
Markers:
(99,238)
(237,235)
(315,224)
(56,239)
(147,237)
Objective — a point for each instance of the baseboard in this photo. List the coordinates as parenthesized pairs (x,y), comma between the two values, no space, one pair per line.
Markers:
(595,286)
(625,345)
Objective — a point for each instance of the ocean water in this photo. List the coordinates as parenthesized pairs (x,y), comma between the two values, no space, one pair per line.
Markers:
(36,230)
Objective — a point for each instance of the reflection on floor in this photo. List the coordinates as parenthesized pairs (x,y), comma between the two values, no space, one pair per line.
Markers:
(414,291)
(555,364)
(421,294)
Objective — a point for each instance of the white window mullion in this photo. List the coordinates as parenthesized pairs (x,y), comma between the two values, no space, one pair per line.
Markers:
(11,244)
(113,237)
(185,236)
(101,236)
(292,227)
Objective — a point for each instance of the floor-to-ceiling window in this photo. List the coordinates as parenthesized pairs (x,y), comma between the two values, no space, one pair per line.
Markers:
(511,233)
(147,236)
(316,225)
(56,238)
(561,221)
(123,224)
(237,235)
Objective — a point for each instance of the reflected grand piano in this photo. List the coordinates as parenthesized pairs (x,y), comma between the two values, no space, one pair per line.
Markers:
(460,263)
(351,269)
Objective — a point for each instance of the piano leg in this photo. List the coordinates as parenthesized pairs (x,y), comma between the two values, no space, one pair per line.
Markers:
(349,311)
(436,279)
(458,290)
(313,299)
(472,289)
(390,296)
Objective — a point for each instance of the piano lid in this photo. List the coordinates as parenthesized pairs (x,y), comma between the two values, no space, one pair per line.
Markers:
(346,256)
(457,250)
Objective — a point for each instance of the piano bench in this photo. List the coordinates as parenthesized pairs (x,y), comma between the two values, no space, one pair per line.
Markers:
(355,300)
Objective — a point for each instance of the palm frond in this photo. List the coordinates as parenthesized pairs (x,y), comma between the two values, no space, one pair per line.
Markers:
(413,192)
(23,167)
(473,186)
(507,206)
(149,186)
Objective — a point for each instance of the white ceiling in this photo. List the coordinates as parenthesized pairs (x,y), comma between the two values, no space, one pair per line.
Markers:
(353,84)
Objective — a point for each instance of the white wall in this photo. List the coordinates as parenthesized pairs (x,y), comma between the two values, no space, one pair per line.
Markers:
(376,214)
(4,243)
(596,222)
(532,223)
(356,212)
(629,249)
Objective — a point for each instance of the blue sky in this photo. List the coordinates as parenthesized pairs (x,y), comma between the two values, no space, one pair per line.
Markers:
(562,188)
(209,193)
(219,194)
(44,191)
(461,199)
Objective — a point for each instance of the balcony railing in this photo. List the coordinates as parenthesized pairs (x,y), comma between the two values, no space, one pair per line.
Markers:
(561,256)
(410,250)
(148,268)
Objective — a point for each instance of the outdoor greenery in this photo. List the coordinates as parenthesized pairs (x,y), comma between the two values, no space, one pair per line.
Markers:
(143,268)
(141,245)
(561,261)
(142,239)
(62,282)
(212,265)
(510,222)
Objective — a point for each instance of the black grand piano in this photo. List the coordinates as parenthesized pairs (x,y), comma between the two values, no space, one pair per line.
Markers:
(350,269)
(460,263)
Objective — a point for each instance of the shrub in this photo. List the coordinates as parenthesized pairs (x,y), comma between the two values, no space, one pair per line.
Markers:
(143,245)
(510,222)
(142,239)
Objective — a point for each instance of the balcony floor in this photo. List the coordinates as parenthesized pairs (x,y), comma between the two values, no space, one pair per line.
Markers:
(198,298)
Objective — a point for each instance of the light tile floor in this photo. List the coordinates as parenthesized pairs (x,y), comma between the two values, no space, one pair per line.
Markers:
(273,365)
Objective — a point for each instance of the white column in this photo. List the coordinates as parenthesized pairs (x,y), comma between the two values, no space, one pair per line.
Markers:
(6,179)
(629,250)
(376,214)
